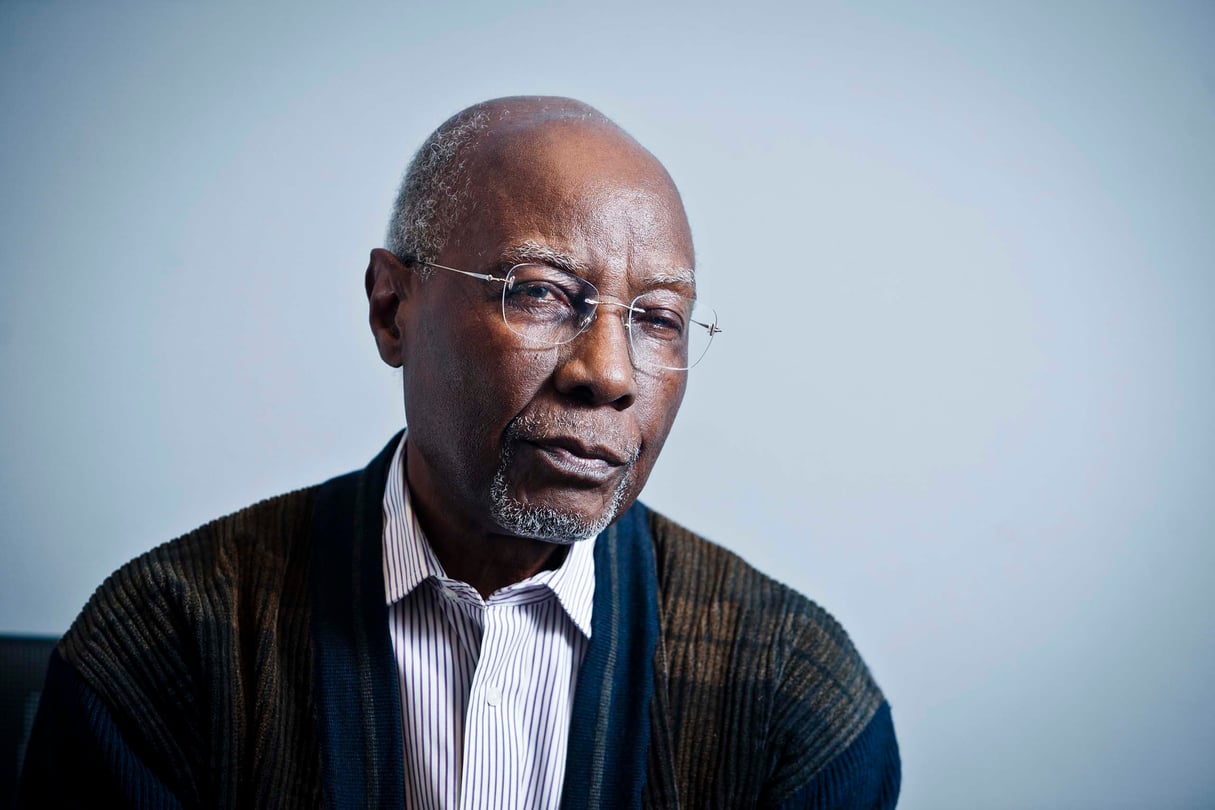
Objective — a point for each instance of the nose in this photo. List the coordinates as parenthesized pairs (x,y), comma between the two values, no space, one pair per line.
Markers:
(596,368)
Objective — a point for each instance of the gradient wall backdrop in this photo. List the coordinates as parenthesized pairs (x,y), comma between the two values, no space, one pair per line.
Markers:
(962,254)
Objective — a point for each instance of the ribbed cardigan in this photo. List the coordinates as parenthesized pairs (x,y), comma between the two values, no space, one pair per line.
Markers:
(249,664)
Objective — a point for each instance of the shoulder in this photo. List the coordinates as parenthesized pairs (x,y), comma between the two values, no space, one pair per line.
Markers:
(173,593)
(767,653)
(158,669)
(697,575)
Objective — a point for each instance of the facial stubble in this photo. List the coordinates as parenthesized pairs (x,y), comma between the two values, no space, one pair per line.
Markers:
(548,523)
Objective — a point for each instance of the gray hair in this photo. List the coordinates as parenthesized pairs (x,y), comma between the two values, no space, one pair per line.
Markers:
(434,190)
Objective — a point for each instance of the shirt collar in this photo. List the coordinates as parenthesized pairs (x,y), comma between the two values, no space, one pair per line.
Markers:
(409,560)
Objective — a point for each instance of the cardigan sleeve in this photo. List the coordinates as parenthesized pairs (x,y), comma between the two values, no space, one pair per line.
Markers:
(833,741)
(864,776)
(78,756)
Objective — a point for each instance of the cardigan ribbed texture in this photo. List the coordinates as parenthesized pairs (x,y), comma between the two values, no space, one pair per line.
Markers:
(248,664)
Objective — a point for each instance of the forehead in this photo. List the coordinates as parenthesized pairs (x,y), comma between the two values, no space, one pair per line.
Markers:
(584,190)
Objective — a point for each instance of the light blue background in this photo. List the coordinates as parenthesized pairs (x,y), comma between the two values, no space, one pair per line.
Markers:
(963,256)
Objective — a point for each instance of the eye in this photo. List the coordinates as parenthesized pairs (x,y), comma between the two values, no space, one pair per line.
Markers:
(536,290)
(537,295)
(659,323)
(544,291)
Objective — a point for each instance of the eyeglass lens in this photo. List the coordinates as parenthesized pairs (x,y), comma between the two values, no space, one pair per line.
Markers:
(551,307)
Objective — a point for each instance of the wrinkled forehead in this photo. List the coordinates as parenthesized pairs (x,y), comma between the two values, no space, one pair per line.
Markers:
(581,186)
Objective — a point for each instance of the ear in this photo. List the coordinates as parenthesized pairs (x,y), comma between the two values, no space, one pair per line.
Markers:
(389,284)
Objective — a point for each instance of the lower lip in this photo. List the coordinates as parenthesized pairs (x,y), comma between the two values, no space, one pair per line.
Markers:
(572,465)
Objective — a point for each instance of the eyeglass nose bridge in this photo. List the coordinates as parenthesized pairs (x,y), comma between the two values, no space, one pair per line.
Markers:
(585,322)
(589,318)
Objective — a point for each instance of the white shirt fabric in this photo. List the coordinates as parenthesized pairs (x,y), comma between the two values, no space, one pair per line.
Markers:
(487,686)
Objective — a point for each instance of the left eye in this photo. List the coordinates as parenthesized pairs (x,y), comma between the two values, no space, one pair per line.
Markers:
(660,323)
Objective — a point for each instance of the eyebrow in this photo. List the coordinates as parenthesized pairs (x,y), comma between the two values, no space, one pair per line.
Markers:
(530,251)
(679,277)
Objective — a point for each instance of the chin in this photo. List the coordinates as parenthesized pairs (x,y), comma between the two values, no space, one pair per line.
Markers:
(551,523)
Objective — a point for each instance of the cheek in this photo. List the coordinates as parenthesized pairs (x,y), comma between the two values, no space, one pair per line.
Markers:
(656,411)
(464,383)
(660,399)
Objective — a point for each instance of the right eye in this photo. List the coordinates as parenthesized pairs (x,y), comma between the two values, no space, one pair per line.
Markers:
(537,286)
(537,291)
(538,299)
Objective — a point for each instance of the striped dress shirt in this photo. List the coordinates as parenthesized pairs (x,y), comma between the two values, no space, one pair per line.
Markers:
(487,686)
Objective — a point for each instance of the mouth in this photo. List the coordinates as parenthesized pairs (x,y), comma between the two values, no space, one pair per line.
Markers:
(576,462)
(582,452)
(571,451)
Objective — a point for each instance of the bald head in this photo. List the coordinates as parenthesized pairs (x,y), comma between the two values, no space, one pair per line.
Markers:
(501,136)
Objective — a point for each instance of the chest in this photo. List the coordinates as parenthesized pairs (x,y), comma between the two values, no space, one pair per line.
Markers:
(486,693)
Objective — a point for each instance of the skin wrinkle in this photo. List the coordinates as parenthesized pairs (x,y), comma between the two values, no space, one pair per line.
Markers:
(532,251)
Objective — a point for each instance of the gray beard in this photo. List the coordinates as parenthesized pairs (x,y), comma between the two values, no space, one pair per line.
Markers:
(545,522)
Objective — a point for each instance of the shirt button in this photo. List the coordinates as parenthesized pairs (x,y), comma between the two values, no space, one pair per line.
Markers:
(493,695)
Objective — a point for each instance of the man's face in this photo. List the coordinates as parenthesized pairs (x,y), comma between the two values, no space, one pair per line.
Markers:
(541,441)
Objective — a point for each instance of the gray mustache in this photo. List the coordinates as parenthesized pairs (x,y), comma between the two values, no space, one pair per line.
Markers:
(535,427)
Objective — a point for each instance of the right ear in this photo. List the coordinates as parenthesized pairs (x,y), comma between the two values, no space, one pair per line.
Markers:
(389,284)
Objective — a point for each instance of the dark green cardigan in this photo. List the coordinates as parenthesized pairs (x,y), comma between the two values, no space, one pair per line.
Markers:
(249,664)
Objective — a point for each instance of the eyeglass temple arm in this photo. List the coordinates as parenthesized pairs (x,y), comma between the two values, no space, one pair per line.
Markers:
(482,276)
(713,328)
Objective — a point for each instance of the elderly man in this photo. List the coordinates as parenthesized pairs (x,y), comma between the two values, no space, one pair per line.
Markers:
(483,616)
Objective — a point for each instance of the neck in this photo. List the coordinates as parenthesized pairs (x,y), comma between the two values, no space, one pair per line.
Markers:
(492,562)
(487,561)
